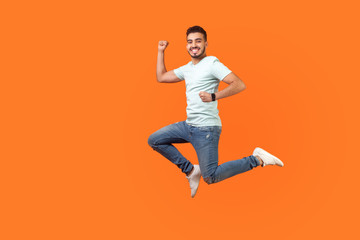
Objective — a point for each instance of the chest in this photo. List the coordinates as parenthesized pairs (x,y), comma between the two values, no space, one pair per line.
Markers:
(199,76)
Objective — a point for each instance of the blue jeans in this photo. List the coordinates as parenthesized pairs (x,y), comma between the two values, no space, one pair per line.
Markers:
(205,140)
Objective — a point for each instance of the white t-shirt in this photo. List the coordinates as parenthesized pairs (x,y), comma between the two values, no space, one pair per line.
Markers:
(203,76)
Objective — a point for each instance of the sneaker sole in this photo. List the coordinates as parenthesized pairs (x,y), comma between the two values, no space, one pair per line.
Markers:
(198,180)
(260,151)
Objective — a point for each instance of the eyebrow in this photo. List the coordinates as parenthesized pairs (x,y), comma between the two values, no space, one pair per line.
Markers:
(194,39)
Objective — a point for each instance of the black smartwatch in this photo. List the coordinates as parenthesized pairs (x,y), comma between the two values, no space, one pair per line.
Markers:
(213,96)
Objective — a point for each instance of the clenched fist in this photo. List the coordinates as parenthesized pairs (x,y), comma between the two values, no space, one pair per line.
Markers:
(205,97)
(162,45)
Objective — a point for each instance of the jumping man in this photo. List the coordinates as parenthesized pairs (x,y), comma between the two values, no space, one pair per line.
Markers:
(202,127)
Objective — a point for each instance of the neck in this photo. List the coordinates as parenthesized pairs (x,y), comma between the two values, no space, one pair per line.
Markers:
(197,60)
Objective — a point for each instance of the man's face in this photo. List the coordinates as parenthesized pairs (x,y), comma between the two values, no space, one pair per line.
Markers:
(196,45)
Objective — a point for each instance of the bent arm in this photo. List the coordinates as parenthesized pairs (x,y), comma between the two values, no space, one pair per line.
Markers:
(162,75)
(235,86)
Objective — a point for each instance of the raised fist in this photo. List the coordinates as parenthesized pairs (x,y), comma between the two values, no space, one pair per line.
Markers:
(163,45)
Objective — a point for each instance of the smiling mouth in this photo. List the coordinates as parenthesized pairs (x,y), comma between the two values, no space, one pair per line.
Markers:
(194,50)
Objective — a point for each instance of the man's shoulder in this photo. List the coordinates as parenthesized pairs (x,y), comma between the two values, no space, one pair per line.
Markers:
(186,65)
(211,59)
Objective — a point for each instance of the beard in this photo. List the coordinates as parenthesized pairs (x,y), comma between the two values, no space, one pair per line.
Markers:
(199,54)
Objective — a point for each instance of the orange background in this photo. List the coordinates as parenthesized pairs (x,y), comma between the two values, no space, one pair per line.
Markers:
(79,99)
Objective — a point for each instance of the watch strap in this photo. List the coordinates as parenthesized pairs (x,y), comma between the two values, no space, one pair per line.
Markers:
(213,96)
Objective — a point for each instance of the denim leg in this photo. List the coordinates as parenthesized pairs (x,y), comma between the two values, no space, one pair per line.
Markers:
(161,141)
(205,141)
(232,168)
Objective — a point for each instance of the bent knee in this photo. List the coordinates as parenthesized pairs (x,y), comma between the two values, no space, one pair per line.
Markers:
(152,141)
(209,180)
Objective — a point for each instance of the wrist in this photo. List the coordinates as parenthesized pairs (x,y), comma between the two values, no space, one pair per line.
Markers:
(213,96)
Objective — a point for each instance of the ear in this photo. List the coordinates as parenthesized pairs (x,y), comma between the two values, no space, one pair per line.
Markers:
(206,44)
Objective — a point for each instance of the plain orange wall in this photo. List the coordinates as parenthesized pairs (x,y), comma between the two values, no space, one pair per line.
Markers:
(79,99)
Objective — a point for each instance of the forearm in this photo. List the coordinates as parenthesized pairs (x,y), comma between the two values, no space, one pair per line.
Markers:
(160,65)
(232,89)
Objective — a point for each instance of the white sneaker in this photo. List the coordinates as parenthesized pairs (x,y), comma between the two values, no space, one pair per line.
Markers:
(267,158)
(194,179)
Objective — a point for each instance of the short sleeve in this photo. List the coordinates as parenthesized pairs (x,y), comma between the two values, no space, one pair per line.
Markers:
(219,70)
(179,72)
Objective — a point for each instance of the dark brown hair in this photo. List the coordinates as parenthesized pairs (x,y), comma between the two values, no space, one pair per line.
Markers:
(195,29)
